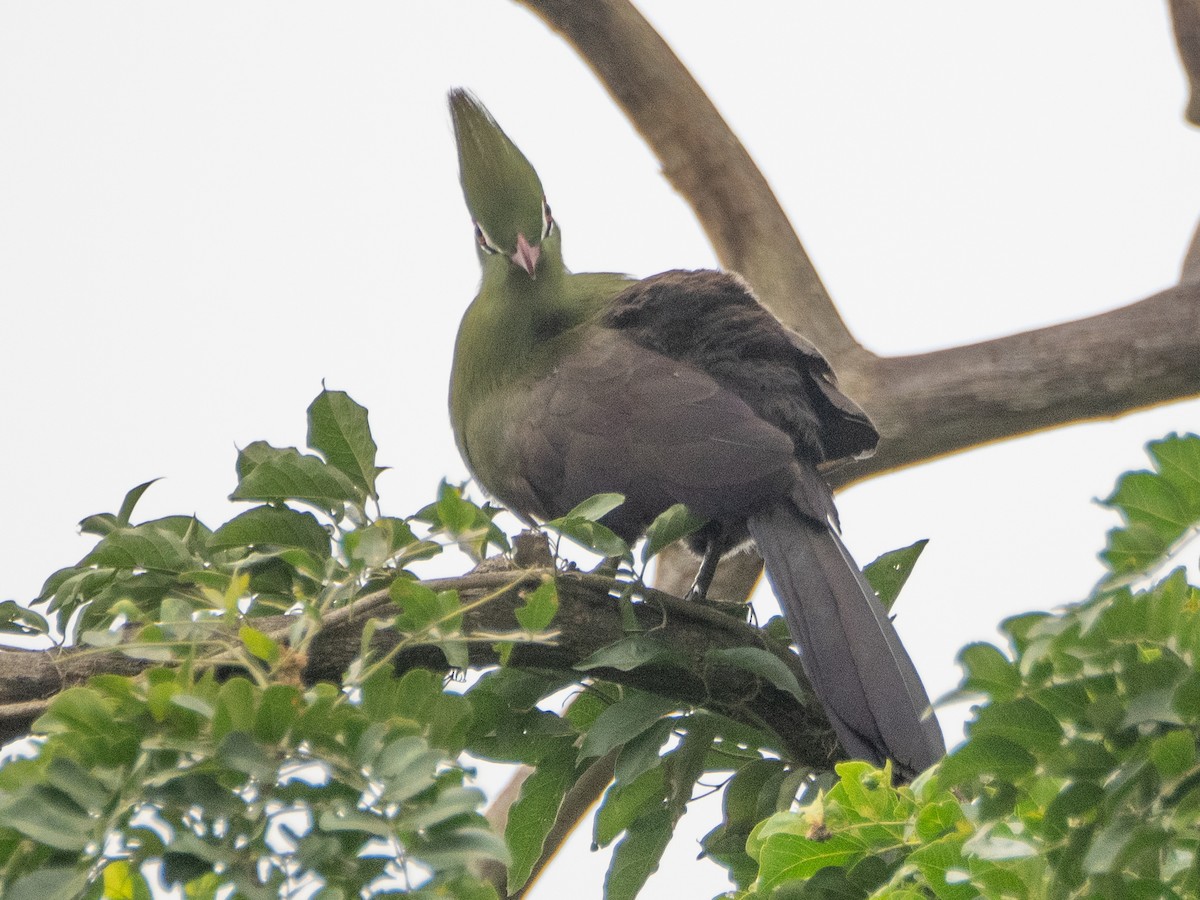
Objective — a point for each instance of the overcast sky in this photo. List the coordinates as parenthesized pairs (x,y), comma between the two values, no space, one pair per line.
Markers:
(206,209)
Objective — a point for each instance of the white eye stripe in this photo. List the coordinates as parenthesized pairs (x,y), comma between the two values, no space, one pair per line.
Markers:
(484,241)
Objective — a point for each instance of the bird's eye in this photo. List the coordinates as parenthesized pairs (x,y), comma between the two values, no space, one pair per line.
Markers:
(482,240)
(547,219)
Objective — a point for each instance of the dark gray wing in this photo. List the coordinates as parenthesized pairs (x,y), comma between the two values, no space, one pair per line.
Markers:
(616,416)
(712,320)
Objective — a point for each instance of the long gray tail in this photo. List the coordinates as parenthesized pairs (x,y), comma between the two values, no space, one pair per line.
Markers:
(858,668)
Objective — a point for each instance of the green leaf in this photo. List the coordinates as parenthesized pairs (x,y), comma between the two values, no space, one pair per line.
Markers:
(1174,753)
(623,803)
(628,653)
(43,816)
(278,709)
(637,856)
(81,709)
(624,720)
(273,526)
(240,752)
(369,545)
(1023,721)
(338,428)
(763,663)
(342,819)
(406,766)
(888,574)
(88,792)
(471,526)
(942,864)
(17,619)
(532,816)
(596,507)
(236,703)
(789,857)
(121,881)
(753,793)
(937,819)
(146,546)
(988,671)
(52,883)
(273,475)
(185,868)
(1178,460)
(418,602)
(539,608)
(641,753)
(258,643)
(670,526)
(990,754)
(591,536)
(451,803)
(465,847)
(429,614)
(455,513)
(1075,800)
(1158,507)
(125,513)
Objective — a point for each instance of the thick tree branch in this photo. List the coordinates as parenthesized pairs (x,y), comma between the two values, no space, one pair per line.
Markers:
(1190,271)
(1138,356)
(702,159)
(588,620)
(1185,15)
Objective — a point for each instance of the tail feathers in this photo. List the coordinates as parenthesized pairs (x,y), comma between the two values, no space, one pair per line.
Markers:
(854,659)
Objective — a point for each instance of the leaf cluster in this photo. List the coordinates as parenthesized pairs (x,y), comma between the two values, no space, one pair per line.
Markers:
(191,775)
(1079,776)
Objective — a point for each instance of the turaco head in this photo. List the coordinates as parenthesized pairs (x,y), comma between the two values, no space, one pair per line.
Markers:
(513,225)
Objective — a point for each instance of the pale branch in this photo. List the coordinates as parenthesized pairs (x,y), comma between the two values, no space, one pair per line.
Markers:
(588,620)
(702,159)
(1185,16)
(1141,355)
(1190,271)
(581,797)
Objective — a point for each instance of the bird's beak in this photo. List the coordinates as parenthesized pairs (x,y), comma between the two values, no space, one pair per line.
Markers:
(526,255)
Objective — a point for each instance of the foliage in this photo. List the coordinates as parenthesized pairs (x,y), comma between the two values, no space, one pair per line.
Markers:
(218,770)
(251,781)
(1079,776)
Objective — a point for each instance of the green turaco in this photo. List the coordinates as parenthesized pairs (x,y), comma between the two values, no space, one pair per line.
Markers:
(678,388)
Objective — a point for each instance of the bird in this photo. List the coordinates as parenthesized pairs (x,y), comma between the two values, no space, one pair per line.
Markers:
(677,388)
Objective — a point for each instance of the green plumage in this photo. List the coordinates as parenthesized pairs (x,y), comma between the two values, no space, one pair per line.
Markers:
(503,192)
(520,323)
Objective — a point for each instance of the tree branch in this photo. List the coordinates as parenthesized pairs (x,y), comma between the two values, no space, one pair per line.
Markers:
(1099,367)
(588,620)
(1185,16)
(702,159)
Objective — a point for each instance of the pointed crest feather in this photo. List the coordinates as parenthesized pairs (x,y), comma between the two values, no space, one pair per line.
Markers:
(502,190)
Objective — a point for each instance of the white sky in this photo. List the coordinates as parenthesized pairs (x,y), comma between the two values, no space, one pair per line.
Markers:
(207,209)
